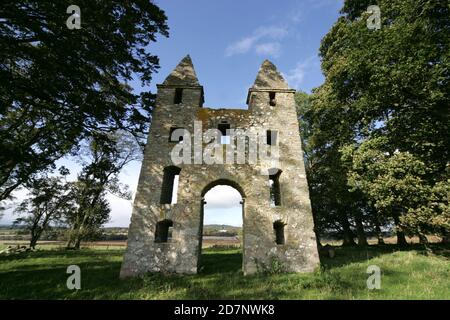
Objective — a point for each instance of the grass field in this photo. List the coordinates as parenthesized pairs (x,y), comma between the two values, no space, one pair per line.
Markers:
(414,273)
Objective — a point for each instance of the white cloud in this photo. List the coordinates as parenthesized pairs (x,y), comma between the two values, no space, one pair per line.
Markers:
(120,211)
(242,46)
(296,16)
(222,197)
(296,75)
(268,49)
(252,42)
(271,32)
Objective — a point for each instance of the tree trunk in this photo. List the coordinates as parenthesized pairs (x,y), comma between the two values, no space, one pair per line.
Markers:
(445,237)
(74,233)
(33,242)
(423,239)
(316,232)
(77,243)
(347,233)
(70,239)
(33,237)
(378,231)
(401,239)
(317,238)
(362,239)
(74,241)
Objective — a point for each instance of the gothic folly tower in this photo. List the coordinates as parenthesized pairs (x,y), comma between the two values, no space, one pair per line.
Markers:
(165,236)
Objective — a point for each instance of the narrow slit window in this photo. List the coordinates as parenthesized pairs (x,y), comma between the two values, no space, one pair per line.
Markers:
(275,194)
(272,137)
(272,100)
(163,230)
(223,127)
(170,185)
(178,96)
(176,136)
(278,228)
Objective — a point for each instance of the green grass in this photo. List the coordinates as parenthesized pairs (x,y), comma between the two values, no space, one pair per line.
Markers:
(414,273)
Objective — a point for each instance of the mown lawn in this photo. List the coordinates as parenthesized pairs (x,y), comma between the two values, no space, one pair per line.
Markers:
(414,273)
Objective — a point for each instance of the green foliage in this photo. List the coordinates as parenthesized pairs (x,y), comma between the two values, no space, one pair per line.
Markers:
(333,205)
(303,104)
(380,121)
(390,180)
(104,157)
(434,213)
(48,201)
(274,266)
(394,81)
(397,183)
(60,85)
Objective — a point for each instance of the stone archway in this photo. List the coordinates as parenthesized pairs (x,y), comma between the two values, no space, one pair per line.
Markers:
(206,189)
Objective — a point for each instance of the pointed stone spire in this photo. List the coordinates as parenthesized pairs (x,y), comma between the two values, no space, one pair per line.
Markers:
(183,74)
(269,77)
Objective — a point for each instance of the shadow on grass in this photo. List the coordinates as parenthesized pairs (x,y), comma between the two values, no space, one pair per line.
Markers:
(42,275)
(221,262)
(58,253)
(348,255)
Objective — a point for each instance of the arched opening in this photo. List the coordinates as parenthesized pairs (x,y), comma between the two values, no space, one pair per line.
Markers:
(222,227)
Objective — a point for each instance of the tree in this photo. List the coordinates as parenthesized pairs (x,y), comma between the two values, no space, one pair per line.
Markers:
(103,158)
(395,182)
(391,84)
(48,201)
(330,199)
(432,216)
(91,213)
(303,104)
(59,86)
(395,81)
(335,209)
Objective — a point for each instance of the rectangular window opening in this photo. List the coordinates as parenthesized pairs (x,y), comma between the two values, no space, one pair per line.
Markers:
(273,101)
(278,227)
(275,195)
(225,138)
(272,137)
(176,180)
(163,231)
(178,98)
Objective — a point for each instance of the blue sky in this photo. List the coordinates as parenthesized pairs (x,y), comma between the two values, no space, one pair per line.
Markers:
(227,41)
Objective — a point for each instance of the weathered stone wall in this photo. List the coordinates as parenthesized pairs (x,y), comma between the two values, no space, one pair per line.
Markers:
(181,253)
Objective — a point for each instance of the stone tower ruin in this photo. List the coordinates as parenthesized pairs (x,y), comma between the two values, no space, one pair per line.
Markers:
(277,219)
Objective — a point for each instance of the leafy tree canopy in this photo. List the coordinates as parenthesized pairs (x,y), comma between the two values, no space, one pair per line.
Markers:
(60,85)
(381,120)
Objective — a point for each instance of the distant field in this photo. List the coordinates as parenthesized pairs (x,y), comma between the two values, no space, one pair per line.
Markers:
(208,242)
(414,273)
(62,244)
